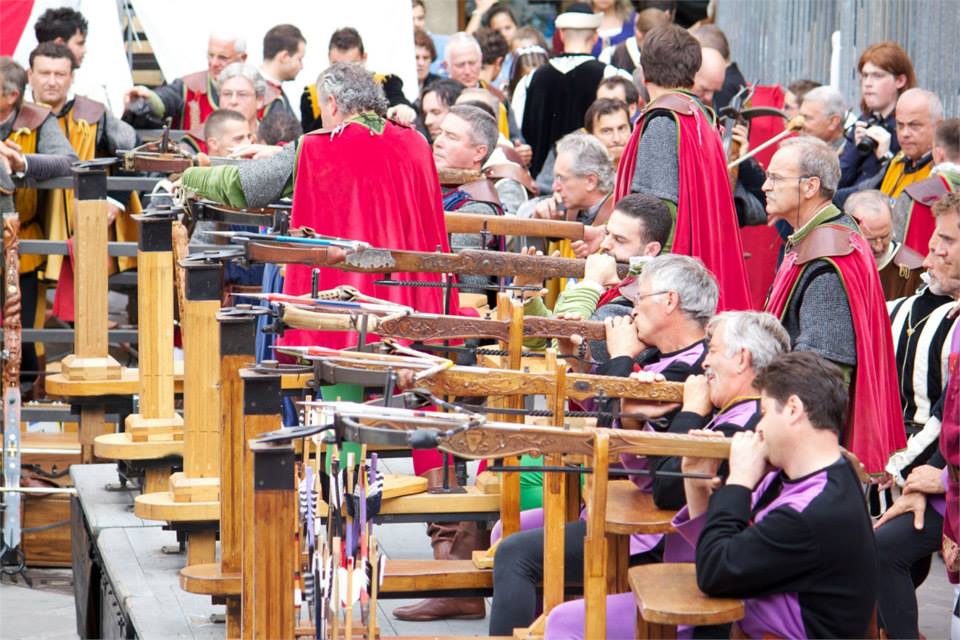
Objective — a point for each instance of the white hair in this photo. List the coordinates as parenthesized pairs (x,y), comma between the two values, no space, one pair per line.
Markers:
(831,99)
(589,158)
(244,70)
(693,283)
(761,334)
(239,42)
(461,38)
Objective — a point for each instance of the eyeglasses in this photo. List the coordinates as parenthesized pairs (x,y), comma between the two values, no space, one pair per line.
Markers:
(774,178)
(639,297)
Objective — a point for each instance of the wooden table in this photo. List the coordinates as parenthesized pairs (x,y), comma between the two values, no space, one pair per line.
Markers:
(667,595)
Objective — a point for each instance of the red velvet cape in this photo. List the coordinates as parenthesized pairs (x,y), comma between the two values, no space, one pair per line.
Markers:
(874,420)
(921,223)
(706,225)
(379,188)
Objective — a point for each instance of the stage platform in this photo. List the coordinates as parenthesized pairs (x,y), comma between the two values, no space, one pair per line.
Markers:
(126,586)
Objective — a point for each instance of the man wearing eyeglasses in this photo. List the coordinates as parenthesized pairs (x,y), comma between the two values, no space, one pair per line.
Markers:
(828,296)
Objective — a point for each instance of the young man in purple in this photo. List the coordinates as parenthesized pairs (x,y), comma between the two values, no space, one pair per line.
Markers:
(796,543)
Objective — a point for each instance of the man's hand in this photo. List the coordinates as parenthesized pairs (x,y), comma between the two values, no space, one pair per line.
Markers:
(255,151)
(882,137)
(549,208)
(748,459)
(14,160)
(567,347)
(524,280)
(134,93)
(925,479)
(402,113)
(696,395)
(651,410)
(592,238)
(740,135)
(698,491)
(915,503)
(525,152)
(601,269)
(622,337)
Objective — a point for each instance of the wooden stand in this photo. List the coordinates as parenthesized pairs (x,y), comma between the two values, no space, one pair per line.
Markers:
(91,358)
(194,494)
(157,430)
(237,338)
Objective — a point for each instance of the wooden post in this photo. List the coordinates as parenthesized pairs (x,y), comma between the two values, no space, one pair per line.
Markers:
(261,413)
(237,337)
(157,419)
(274,538)
(554,498)
(595,544)
(91,358)
(508,309)
(199,481)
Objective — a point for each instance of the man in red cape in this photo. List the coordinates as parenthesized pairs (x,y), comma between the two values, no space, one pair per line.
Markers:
(828,296)
(675,153)
(365,178)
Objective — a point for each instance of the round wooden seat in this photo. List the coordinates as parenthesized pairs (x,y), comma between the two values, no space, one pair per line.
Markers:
(208,580)
(631,511)
(161,506)
(119,446)
(667,594)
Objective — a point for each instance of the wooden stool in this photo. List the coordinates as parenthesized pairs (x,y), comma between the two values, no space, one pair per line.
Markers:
(667,595)
(630,511)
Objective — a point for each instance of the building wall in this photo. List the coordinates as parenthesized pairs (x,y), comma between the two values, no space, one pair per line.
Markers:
(785,40)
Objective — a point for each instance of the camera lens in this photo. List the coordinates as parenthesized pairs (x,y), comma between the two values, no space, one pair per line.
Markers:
(867,145)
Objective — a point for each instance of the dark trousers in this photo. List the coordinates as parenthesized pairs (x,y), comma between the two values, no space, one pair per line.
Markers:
(905,555)
(29,289)
(518,573)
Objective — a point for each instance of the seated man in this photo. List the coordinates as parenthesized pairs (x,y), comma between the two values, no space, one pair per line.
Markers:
(918,114)
(609,121)
(912,219)
(742,345)
(899,265)
(242,90)
(677,296)
(435,103)
(795,543)
(620,88)
(191,99)
(509,158)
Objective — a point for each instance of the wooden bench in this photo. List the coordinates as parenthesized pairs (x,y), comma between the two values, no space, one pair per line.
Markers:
(630,511)
(667,596)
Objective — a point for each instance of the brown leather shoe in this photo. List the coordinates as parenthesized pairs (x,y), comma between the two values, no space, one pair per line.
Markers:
(442,609)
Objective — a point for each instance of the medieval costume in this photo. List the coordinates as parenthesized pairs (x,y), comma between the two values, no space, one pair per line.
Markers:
(827,295)
(913,222)
(310,106)
(675,153)
(556,100)
(900,269)
(902,172)
(188,100)
(625,55)
(950,448)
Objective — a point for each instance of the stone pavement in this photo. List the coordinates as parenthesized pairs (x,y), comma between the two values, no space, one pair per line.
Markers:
(47,611)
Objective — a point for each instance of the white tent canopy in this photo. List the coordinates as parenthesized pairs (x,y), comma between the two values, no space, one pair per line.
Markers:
(105,74)
(178,32)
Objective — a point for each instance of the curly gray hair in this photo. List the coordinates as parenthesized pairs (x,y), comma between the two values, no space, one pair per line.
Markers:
(695,286)
(761,334)
(248,71)
(353,88)
(589,158)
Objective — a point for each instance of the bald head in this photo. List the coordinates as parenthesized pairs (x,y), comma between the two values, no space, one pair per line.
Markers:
(710,76)
(871,210)
(918,113)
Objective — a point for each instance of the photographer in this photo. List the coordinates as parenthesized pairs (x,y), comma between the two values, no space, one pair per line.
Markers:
(885,72)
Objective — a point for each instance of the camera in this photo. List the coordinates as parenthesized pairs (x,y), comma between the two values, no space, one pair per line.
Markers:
(867,145)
